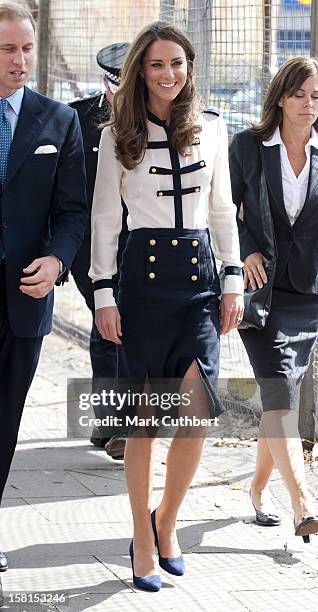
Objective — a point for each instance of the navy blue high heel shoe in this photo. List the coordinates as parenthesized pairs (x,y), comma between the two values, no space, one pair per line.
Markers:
(145,583)
(172,565)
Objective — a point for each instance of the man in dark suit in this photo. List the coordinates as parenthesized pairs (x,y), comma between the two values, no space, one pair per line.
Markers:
(42,214)
(93,111)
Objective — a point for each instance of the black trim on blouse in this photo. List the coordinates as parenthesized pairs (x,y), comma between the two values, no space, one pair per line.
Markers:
(185,170)
(176,171)
(178,192)
(234,270)
(104,284)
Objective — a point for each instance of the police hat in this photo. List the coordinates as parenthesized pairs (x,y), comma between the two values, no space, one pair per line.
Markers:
(111,59)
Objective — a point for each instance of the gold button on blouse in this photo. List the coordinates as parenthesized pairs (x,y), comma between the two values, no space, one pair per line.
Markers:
(174,242)
(194,277)
(152,242)
(194,260)
(152,275)
(152,258)
(195,243)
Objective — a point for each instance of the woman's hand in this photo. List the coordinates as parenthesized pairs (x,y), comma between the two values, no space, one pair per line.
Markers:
(231,311)
(254,271)
(108,323)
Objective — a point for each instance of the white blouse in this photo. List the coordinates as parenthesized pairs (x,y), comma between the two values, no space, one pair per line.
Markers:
(143,189)
(294,187)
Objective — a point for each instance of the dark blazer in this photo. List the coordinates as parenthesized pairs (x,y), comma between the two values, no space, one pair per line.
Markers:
(92,112)
(44,208)
(297,245)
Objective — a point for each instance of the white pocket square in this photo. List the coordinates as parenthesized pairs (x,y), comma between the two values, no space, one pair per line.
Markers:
(45,149)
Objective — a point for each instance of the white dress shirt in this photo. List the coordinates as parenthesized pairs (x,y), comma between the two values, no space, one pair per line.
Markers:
(14,107)
(294,187)
(208,205)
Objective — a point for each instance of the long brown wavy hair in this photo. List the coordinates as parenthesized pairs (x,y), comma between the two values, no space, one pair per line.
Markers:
(285,83)
(129,113)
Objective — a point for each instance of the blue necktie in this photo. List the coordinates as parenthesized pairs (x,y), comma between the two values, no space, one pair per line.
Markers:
(5,143)
(5,139)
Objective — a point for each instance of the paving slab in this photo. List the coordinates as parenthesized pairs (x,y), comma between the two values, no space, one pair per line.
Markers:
(47,483)
(294,600)
(66,521)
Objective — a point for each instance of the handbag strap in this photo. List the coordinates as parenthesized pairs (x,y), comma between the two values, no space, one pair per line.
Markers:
(265,210)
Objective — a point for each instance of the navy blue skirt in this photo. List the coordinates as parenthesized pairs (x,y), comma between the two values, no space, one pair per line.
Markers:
(280,353)
(169,306)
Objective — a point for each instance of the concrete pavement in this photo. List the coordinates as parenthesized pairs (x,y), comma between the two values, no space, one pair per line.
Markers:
(66,525)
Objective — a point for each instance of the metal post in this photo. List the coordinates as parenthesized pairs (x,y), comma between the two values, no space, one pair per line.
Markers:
(166,10)
(200,33)
(43,46)
(314,29)
(307,409)
(267,44)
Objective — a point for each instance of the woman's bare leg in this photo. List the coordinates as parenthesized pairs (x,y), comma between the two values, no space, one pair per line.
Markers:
(182,463)
(281,430)
(139,472)
(259,491)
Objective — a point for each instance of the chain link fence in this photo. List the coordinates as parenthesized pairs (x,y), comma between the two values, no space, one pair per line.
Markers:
(239,46)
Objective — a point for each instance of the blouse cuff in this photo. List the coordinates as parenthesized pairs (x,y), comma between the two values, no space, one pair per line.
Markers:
(233,284)
(104,298)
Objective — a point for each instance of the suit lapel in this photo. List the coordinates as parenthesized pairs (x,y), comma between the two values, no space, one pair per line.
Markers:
(27,129)
(312,190)
(273,174)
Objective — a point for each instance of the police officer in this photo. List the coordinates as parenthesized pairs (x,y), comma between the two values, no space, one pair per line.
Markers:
(94,110)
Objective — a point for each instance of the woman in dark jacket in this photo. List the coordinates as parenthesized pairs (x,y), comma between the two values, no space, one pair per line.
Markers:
(284,146)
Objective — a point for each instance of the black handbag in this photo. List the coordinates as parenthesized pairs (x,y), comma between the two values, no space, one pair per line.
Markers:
(257,302)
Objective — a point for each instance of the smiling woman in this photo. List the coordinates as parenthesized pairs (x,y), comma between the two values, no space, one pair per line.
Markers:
(168,161)
(164,77)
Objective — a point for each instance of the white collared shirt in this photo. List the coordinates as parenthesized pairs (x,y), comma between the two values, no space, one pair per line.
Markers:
(208,202)
(14,107)
(294,187)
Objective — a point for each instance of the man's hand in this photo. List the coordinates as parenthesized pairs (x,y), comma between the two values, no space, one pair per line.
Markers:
(43,273)
(231,311)
(254,271)
(108,323)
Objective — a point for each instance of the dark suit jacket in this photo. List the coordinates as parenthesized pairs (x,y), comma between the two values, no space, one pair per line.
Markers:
(92,112)
(43,203)
(297,244)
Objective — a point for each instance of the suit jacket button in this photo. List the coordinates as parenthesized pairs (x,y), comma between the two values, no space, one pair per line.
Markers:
(194,277)
(195,243)
(152,275)
(152,242)
(160,194)
(174,242)
(4,225)
(194,260)
(153,170)
(197,189)
(152,258)
(202,163)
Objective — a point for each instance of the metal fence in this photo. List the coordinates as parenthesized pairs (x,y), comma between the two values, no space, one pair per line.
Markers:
(239,47)
(239,44)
